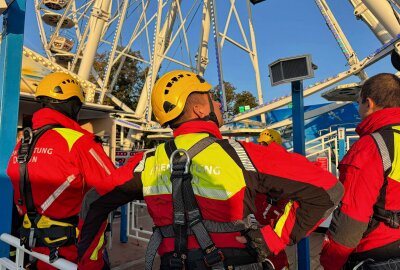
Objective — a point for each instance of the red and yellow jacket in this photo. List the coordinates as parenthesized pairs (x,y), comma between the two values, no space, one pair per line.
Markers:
(361,172)
(227,175)
(65,164)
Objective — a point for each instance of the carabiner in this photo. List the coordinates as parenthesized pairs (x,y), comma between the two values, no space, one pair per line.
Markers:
(184,152)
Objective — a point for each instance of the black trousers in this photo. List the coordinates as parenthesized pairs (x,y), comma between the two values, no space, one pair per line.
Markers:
(391,264)
(386,257)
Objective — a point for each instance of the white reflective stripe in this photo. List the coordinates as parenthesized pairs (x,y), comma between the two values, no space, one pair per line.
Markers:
(244,158)
(140,166)
(212,193)
(200,191)
(155,190)
(57,193)
(99,160)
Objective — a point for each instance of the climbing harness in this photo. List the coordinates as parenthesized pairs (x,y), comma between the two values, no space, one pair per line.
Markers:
(187,219)
(39,230)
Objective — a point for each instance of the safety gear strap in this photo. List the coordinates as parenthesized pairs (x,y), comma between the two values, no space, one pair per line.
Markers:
(389,217)
(187,214)
(25,152)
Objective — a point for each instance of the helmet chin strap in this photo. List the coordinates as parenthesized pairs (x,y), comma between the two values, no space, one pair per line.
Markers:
(211,116)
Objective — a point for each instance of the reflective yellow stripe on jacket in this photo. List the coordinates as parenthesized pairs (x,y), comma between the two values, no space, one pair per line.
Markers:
(70,135)
(213,171)
(395,172)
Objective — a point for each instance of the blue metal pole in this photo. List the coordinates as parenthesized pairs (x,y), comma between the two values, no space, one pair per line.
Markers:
(123,232)
(342,142)
(303,247)
(10,77)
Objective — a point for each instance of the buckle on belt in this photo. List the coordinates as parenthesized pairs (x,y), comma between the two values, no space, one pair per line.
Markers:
(394,221)
(176,262)
(213,256)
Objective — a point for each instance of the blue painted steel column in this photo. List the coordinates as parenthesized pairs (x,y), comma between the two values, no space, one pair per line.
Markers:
(123,232)
(341,142)
(303,247)
(10,77)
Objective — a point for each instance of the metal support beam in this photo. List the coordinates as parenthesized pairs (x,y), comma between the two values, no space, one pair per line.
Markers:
(254,60)
(10,72)
(340,37)
(383,11)
(202,54)
(342,142)
(99,17)
(303,247)
(105,89)
(361,11)
(214,21)
(162,39)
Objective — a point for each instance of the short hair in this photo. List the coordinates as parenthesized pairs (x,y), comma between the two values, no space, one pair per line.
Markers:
(383,89)
(193,99)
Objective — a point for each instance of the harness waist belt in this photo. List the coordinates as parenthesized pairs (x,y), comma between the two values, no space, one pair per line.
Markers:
(49,232)
(390,217)
(235,258)
(211,226)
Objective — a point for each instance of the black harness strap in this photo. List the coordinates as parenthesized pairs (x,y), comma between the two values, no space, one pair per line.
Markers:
(186,210)
(25,152)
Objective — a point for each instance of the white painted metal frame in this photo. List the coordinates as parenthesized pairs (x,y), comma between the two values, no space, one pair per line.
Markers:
(18,264)
(132,222)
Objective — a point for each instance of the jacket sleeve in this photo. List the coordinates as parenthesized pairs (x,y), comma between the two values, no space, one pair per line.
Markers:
(125,189)
(313,192)
(92,161)
(361,172)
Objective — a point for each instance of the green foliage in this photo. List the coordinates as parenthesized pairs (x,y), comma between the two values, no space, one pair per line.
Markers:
(130,80)
(233,99)
(242,99)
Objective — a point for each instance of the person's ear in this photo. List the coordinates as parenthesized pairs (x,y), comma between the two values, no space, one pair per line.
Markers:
(371,105)
(199,110)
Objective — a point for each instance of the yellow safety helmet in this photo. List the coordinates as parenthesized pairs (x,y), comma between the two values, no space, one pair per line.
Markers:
(170,92)
(270,135)
(59,86)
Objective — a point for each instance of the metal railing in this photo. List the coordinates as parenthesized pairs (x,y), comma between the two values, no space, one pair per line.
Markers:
(326,146)
(6,263)
(139,222)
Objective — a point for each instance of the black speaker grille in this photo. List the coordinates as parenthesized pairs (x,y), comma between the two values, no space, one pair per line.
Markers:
(294,68)
(276,73)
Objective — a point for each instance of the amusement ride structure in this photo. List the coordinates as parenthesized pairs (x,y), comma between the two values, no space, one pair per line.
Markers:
(74,32)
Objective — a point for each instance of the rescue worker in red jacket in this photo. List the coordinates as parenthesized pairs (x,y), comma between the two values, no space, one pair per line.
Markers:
(365,228)
(52,168)
(269,209)
(199,208)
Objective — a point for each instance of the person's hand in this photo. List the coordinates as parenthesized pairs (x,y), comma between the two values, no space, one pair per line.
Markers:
(255,240)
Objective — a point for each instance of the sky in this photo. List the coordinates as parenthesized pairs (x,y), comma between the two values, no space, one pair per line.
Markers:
(283,28)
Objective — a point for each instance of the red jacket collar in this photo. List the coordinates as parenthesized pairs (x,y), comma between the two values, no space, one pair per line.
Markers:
(379,119)
(198,127)
(48,116)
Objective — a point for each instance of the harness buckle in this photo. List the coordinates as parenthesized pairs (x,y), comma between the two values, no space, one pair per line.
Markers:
(394,221)
(26,141)
(213,256)
(53,256)
(32,238)
(177,263)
